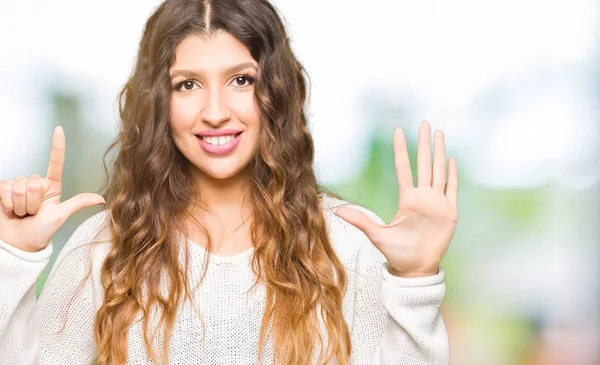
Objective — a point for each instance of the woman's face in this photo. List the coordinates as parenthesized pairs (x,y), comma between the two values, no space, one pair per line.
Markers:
(215,120)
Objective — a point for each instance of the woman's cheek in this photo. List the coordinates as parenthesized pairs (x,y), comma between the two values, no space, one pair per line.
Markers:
(183,111)
(247,108)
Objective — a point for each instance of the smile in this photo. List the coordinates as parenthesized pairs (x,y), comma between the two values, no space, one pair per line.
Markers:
(216,141)
(219,145)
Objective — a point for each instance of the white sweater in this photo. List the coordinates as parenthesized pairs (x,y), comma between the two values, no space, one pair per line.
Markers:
(392,320)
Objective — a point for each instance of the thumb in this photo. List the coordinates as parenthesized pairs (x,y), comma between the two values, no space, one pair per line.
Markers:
(359,220)
(79,202)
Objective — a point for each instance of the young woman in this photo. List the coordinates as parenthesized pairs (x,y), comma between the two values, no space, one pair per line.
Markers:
(217,246)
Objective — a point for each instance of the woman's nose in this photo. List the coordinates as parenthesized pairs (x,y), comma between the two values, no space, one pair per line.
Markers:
(216,110)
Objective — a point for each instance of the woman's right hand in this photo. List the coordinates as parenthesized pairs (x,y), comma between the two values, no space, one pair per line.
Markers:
(30,208)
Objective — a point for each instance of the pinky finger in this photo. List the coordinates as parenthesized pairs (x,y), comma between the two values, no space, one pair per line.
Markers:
(6,197)
(452,185)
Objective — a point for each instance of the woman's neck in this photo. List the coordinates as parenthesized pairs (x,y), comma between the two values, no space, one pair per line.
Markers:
(225,210)
(222,193)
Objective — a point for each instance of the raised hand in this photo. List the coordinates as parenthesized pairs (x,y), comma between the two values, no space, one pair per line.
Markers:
(416,240)
(31,211)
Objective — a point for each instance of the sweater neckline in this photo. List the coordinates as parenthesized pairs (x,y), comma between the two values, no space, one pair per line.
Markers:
(242,256)
(217,258)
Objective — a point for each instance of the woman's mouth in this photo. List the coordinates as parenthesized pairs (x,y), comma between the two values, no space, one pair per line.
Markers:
(219,145)
(217,141)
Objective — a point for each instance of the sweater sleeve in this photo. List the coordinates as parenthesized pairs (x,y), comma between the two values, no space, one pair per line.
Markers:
(396,320)
(57,327)
(19,272)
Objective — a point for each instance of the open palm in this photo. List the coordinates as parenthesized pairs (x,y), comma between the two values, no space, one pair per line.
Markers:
(417,238)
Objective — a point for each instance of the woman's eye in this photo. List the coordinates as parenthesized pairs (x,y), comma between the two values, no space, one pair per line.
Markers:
(243,81)
(187,85)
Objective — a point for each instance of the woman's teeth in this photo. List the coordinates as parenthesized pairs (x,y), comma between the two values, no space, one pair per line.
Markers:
(218,140)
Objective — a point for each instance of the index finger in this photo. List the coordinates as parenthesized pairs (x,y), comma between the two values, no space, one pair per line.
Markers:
(57,156)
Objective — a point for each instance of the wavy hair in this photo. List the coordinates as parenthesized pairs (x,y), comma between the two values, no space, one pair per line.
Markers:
(151,187)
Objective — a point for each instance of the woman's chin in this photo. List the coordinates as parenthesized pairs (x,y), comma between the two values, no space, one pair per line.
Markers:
(221,172)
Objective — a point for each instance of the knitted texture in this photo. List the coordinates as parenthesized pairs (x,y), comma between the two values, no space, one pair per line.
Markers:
(392,320)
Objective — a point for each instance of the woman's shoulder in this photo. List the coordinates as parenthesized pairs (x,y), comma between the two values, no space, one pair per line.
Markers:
(92,233)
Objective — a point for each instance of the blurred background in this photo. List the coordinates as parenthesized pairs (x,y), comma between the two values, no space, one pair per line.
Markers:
(515,86)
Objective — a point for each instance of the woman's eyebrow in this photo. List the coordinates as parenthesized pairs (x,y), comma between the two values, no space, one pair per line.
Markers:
(239,67)
(227,71)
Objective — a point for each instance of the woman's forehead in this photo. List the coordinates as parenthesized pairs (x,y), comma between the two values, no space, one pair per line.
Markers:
(221,53)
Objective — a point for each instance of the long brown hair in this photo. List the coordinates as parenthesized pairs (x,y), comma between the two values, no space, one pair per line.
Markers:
(151,187)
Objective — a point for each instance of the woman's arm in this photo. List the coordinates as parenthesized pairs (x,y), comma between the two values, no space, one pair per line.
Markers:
(397,320)
(413,245)
(19,272)
(57,328)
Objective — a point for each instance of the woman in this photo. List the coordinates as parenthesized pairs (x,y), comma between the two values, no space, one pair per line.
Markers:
(217,246)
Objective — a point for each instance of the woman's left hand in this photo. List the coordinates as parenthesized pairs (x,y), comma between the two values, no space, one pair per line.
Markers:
(416,240)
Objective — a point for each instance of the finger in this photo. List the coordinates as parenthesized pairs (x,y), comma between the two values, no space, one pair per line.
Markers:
(6,196)
(57,156)
(452,186)
(361,221)
(402,161)
(439,161)
(424,155)
(79,202)
(35,190)
(19,196)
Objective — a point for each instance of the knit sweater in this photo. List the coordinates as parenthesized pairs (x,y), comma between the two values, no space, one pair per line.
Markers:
(392,320)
